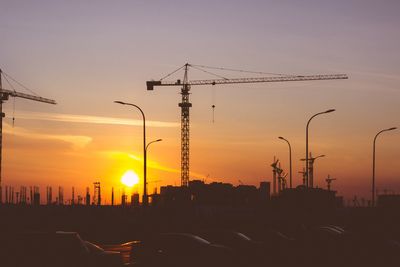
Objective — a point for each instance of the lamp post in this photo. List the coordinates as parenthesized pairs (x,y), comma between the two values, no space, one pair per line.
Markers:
(155,141)
(145,199)
(308,123)
(373,163)
(290,160)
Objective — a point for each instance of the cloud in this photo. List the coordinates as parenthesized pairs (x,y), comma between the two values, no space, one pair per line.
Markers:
(154,164)
(157,166)
(73,118)
(78,141)
(151,164)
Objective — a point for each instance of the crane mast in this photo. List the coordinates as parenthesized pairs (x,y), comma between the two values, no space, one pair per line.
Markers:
(185,105)
(4,96)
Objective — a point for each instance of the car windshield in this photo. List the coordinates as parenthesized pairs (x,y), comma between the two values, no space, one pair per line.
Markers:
(243,236)
(93,247)
(183,238)
(201,240)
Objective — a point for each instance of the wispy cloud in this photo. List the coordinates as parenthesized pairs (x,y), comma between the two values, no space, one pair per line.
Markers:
(78,141)
(75,118)
(152,164)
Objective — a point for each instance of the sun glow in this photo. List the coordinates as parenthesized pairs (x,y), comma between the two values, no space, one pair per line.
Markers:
(130,178)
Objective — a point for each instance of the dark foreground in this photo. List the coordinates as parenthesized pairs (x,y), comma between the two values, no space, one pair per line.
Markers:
(198,237)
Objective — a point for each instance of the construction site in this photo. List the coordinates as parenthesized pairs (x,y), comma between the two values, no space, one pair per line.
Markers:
(278,186)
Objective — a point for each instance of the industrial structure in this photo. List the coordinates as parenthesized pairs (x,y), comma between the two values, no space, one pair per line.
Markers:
(60,198)
(278,177)
(87,197)
(4,96)
(274,166)
(73,196)
(112,196)
(185,105)
(49,195)
(311,161)
(97,194)
(303,174)
(329,181)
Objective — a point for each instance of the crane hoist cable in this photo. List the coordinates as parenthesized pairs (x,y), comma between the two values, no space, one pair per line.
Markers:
(17,82)
(213,89)
(208,72)
(6,78)
(238,70)
(213,103)
(166,76)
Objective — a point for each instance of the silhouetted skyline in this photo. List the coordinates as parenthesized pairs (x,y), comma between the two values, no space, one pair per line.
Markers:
(85,56)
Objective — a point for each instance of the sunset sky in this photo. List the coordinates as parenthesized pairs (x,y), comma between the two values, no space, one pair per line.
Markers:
(86,54)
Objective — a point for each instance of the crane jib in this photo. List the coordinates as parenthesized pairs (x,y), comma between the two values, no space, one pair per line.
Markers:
(151,84)
(27,96)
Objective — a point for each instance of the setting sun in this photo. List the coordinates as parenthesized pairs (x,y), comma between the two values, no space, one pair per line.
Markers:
(130,178)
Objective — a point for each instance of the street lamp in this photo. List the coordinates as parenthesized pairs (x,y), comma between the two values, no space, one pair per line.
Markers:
(155,141)
(290,160)
(308,123)
(158,140)
(373,163)
(145,199)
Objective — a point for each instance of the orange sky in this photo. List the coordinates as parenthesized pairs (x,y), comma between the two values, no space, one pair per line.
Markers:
(86,56)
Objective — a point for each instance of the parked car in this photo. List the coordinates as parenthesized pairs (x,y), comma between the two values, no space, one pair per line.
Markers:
(101,257)
(279,250)
(181,249)
(57,249)
(248,251)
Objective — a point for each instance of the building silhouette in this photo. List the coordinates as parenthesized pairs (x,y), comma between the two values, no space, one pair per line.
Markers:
(214,194)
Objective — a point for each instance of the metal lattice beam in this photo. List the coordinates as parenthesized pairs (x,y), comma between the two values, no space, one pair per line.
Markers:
(185,132)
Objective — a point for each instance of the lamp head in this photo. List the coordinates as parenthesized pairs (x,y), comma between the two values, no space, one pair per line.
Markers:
(393,128)
(119,102)
(330,110)
(158,140)
(280,137)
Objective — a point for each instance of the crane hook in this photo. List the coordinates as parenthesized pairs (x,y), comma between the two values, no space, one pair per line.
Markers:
(13,118)
(213,108)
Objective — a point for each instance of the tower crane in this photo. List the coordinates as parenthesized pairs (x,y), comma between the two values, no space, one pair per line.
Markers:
(5,94)
(311,161)
(303,173)
(329,180)
(185,105)
(274,166)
